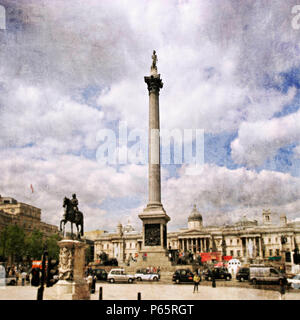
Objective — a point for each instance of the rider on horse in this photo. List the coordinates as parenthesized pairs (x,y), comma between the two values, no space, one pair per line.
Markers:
(74,202)
(72,214)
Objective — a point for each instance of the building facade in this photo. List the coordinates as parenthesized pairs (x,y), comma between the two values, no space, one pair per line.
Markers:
(23,215)
(245,240)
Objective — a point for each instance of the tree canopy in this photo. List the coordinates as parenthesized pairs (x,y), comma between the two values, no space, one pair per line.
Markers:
(18,246)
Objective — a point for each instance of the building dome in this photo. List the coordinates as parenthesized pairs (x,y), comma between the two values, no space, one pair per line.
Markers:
(129,228)
(195,215)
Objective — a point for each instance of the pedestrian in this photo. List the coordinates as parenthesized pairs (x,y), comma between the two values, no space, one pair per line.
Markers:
(93,286)
(282,290)
(213,283)
(23,277)
(28,277)
(196,280)
(17,276)
(90,281)
(35,279)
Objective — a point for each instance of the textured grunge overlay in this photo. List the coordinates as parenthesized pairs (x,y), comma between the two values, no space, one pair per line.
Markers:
(72,71)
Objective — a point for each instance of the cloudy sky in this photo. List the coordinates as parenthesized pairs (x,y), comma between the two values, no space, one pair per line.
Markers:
(72,69)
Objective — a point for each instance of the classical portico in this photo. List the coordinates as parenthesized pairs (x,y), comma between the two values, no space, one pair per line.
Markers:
(196,243)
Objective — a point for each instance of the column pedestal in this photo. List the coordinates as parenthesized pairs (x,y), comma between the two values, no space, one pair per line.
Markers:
(72,284)
(154,250)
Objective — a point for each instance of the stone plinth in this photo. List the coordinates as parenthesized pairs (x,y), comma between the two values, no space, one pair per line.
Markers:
(72,284)
(154,246)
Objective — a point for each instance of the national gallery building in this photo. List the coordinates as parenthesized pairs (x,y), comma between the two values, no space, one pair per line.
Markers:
(243,240)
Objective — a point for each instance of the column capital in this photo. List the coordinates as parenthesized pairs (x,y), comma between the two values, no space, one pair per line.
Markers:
(154,83)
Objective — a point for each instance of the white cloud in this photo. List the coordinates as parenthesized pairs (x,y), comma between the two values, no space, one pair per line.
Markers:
(224,195)
(63,175)
(214,58)
(258,141)
(297,152)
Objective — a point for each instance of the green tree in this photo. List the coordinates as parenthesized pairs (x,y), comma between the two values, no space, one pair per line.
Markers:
(15,243)
(3,244)
(52,246)
(35,245)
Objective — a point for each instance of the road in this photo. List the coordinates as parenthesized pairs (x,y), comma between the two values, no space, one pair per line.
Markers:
(230,290)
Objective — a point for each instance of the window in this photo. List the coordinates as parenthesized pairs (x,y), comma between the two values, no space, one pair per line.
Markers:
(273,271)
(238,253)
(231,252)
(230,241)
(270,252)
(277,252)
(270,240)
(238,241)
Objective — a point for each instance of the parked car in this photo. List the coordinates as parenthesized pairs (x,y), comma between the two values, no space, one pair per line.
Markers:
(119,275)
(243,274)
(294,282)
(101,274)
(111,262)
(217,273)
(183,275)
(266,274)
(142,274)
(10,280)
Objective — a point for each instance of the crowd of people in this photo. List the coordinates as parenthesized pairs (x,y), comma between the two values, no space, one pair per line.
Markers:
(22,274)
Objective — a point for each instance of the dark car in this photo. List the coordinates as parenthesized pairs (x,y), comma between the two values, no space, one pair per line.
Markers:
(111,262)
(101,274)
(217,273)
(183,275)
(243,274)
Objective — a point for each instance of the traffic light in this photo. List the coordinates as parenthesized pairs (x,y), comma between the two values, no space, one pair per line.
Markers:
(52,270)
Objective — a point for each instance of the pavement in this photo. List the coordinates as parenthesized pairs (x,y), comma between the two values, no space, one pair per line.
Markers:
(157,291)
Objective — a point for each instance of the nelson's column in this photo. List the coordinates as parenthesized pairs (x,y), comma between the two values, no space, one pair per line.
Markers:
(154,217)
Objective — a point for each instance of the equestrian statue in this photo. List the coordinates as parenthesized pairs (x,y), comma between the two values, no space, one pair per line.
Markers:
(73,215)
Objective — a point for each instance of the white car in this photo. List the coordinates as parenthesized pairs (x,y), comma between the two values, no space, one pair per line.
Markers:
(142,274)
(294,282)
(119,275)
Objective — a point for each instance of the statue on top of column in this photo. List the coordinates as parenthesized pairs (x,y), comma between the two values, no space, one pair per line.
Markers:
(153,66)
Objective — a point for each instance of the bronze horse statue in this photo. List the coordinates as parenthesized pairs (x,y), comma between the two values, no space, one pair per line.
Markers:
(72,216)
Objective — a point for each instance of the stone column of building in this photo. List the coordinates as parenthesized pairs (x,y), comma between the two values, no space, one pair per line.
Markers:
(292,249)
(260,247)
